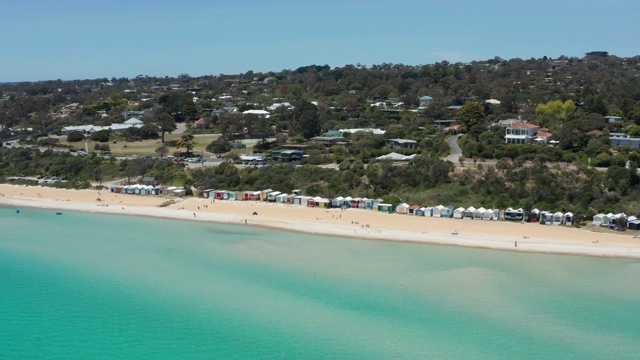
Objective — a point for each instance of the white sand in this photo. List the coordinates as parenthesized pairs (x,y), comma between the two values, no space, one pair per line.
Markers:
(499,235)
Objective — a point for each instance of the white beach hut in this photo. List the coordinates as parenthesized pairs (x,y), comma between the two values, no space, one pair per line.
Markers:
(478,213)
(281,198)
(468,212)
(437,211)
(402,208)
(458,213)
(487,214)
(568,218)
(514,214)
(597,219)
(557,218)
(428,211)
(271,197)
(547,217)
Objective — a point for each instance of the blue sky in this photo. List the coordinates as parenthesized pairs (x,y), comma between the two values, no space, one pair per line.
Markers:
(86,39)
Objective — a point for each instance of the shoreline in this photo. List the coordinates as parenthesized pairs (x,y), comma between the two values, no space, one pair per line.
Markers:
(350,223)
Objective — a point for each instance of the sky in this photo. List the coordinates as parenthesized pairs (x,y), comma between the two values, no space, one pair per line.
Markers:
(89,39)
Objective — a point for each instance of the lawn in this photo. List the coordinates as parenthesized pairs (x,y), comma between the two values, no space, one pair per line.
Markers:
(147,147)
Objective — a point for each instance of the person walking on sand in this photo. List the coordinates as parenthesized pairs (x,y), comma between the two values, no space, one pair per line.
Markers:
(516,244)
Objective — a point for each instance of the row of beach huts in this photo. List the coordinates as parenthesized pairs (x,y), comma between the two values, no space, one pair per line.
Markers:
(296,198)
(139,189)
(618,221)
(615,221)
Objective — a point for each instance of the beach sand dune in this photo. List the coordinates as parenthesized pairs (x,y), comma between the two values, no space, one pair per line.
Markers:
(358,223)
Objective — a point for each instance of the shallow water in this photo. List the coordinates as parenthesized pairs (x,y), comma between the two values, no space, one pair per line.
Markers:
(95,286)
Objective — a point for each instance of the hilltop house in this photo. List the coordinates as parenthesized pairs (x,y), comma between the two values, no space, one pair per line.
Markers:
(524,133)
(425,100)
(402,144)
(622,139)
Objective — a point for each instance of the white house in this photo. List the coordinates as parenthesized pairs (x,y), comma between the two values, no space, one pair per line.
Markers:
(521,133)
(613,119)
(458,213)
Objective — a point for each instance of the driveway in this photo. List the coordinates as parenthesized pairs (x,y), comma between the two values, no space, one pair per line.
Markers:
(456,152)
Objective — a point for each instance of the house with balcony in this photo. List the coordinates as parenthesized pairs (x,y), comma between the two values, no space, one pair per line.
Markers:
(521,133)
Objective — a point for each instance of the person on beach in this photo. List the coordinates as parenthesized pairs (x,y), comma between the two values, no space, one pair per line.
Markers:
(516,244)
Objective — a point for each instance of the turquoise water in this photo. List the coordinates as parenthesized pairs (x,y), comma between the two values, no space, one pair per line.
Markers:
(89,286)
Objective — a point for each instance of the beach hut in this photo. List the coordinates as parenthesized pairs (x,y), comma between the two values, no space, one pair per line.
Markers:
(385,207)
(447,212)
(337,202)
(311,202)
(547,217)
(254,196)
(557,218)
(205,193)
(428,211)
(597,219)
(496,214)
(271,197)
(246,195)
(514,214)
(367,204)
(437,211)
(633,224)
(402,208)
(419,212)
(355,202)
(458,213)
(297,200)
(346,202)
(375,203)
(323,202)
(232,196)
(281,198)
(468,212)
(411,210)
(534,216)
(264,193)
(179,192)
(304,201)
(478,213)
(361,202)
(296,192)
(288,199)
(487,214)
(568,218)
(112,189)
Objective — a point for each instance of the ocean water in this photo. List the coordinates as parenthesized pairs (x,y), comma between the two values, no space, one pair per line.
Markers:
(90,286)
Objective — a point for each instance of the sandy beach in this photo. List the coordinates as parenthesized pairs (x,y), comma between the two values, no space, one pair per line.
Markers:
(364,224)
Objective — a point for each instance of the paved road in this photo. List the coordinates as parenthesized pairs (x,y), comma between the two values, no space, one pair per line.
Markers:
(456,152)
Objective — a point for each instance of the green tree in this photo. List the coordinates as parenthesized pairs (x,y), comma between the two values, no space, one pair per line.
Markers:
(162,120)
(75,136)
(186,142)
(307,119)
(219,146)
(471,114)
